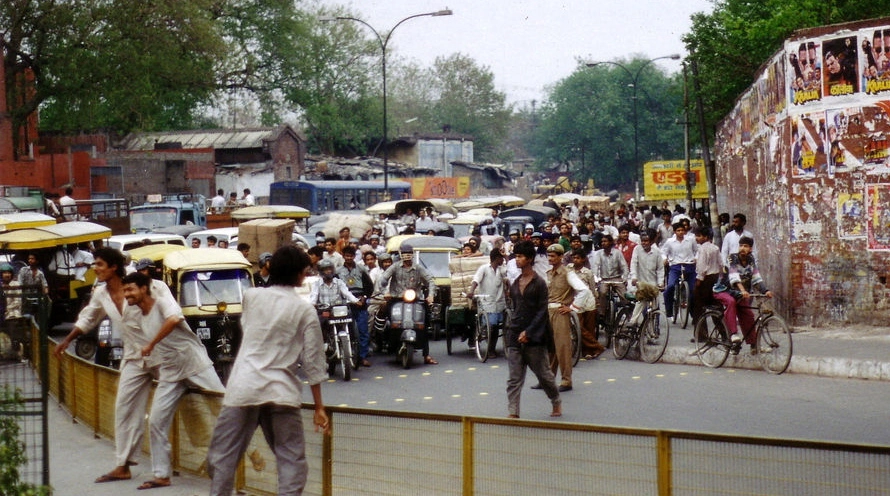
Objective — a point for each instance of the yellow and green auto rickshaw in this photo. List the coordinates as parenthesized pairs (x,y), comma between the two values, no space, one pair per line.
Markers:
(209,285)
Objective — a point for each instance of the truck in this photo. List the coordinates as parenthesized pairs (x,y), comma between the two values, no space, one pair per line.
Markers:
(164,211)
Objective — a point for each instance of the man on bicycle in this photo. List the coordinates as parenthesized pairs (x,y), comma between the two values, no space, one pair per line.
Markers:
(679,253)
(491,280)
(646,267)
(743,277)
(609,269)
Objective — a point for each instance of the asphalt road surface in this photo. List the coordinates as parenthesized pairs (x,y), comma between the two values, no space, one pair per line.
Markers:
(630,393)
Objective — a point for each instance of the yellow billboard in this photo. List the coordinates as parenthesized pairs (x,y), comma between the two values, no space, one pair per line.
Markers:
(440,187)
(666,179)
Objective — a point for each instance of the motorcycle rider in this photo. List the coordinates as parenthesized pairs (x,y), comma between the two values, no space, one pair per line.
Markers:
(329,290)
(360,285)
(403,276)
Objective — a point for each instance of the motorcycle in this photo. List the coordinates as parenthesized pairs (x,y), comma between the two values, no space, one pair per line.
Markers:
(407,318)
(101,346)
(339,345)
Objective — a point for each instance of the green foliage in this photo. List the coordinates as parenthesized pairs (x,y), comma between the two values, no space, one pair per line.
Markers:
(457,94)
(12,448)
(731,43)
(588,122)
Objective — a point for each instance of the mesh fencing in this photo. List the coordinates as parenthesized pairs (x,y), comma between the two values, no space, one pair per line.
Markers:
(374,452)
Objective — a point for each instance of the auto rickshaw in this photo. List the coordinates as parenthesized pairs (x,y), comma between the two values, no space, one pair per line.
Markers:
(156,254)
(209,285)
(434,253)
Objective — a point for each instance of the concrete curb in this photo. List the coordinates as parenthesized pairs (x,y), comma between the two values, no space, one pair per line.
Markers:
(845,368)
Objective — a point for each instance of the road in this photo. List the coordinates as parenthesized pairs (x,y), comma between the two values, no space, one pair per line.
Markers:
(629,393)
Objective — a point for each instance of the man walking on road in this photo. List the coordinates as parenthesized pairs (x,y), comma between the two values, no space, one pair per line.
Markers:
(526,334)
(180,357)
(565,287)
(264,388)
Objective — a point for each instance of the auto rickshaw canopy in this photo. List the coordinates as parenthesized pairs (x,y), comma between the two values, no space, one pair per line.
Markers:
(24,220)
(52,236)
(271,212)
(155,253)
(399,207)
(204,258)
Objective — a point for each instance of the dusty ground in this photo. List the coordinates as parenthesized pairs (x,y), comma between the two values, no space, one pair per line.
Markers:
(847,331)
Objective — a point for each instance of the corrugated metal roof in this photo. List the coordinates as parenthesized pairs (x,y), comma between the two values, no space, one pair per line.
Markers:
(222,139)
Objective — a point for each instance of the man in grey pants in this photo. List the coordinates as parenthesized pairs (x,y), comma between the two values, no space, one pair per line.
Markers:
(281,332)
(527,334)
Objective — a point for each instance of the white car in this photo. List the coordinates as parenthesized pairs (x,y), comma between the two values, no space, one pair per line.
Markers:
(227,234)
(126,242)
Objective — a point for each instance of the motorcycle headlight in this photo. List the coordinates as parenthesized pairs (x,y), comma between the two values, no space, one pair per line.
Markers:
(341,311)
(221,306)
(410,295)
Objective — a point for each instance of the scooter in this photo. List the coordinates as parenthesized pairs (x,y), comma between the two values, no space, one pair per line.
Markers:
(407,318)
(336,324)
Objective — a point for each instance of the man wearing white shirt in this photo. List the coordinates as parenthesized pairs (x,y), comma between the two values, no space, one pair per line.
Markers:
(179,356)
(490,280)
(248,199)
(218,203)
(679,252)
(279,349)
(731,239)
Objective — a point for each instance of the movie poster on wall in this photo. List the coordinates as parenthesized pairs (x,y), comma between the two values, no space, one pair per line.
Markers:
(874,138)
(878,221)
(843,133)
(850,215)
(840,67)
(804,72)
(807,150)
(875,61)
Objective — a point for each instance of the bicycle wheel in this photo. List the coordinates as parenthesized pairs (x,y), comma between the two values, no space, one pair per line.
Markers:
(774,344)
(682,304)
(576,339)
(481,336)
(711,343)
(624,337)
(654,336)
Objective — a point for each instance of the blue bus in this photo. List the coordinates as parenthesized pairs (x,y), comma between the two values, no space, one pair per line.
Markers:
(322,196)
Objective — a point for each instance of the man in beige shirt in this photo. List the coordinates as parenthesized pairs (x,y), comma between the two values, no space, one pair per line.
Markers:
(564,288)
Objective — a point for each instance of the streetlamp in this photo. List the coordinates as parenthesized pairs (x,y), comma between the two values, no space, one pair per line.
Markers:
(384,41)
(634,77)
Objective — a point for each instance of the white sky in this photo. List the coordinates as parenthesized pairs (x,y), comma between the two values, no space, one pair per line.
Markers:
(530,44)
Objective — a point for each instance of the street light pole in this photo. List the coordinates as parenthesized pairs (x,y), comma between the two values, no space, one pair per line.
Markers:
(634,78)
(384,42)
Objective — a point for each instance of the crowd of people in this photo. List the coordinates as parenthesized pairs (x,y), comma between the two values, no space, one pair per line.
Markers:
(534,283)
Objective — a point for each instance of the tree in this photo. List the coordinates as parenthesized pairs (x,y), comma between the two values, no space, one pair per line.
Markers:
(587,122)
(118,64)
(730,43)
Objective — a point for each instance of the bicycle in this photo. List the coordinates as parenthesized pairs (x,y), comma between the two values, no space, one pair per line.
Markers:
(773,344)
(651,336)
(681,300)
(484,335)
(618,311)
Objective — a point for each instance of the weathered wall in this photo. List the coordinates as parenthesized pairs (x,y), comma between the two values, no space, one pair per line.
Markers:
(145,173)
(805,155)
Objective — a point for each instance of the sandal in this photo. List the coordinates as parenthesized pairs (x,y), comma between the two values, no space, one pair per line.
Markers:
(430,360)
(112,478)
(154,483)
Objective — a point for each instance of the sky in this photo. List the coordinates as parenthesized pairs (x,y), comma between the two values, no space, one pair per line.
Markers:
(529,45)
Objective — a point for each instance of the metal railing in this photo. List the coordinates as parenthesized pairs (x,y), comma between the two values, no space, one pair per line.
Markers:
(373,452)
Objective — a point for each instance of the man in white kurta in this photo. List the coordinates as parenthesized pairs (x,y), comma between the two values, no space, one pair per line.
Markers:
(179,356)
(282,336)
(136,373)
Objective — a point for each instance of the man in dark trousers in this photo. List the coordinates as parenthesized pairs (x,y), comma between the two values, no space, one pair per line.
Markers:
(527,333)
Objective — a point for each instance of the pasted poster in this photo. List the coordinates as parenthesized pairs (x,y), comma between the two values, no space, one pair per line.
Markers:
(807,151)
(844,132)
(805,71)
(850,215)
(878,222)
(840,63)
(875,60)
